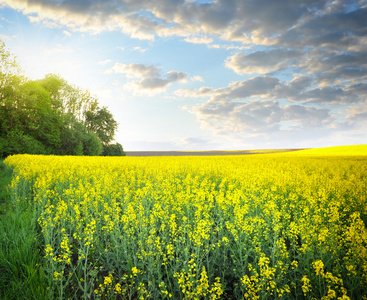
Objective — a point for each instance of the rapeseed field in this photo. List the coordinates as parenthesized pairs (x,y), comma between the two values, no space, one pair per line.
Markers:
(269,226)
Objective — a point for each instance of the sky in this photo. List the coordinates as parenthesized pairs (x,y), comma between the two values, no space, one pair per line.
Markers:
(205,75)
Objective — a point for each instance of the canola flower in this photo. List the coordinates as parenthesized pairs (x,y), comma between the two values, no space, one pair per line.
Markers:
(219,227)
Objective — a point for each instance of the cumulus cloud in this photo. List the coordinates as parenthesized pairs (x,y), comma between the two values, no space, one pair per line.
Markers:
(140,49)
(336,66)
(199,40)
(289,27)
(228,47)
(357,114)
(301,89)
(104,62)
(135,70)
(293,29)
(195,93)
(257,86)
(262,61)
(319,46)
(236,20)
(258,117)
(264,106)
(197,78)
(151,80)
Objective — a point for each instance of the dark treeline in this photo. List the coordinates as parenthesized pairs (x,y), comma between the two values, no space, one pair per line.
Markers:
(50,116)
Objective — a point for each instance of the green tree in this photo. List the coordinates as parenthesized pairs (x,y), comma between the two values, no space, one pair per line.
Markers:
(39,119)
(113,150)
(102,123)
(50,116)
(92,145)
(10,80)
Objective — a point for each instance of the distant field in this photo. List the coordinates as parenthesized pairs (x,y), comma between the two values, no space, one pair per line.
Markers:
(209,152)
(335,151)
(326,151)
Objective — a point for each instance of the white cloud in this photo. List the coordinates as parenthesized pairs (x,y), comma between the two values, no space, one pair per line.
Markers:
(199,40)
(255,108)
(151,81)
(135,70)
(323,42)
(104,62)
(262,61)
(228,47)
(261,22)
(197,78)
(260,118)
(357,115)
(140,49)
(195,93)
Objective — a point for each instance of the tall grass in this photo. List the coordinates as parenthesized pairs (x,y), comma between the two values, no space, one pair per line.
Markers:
(5,179)
(21,248)
(21,259)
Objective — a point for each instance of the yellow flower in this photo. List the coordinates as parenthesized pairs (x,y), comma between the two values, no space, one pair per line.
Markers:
(306,287)
(319,267)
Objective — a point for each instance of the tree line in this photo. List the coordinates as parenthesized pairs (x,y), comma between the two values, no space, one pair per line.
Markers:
(51,116)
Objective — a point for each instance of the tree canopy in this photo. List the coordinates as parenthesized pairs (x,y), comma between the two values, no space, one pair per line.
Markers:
(51,116)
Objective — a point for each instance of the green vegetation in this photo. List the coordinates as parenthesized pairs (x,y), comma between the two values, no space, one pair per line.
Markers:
(50,116)
(5,179)
(21,257)
(21,271)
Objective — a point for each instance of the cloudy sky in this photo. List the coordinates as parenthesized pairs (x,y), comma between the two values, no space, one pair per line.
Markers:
(201,74)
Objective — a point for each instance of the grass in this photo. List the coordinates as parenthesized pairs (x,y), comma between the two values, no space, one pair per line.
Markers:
(5,179)
(21,272)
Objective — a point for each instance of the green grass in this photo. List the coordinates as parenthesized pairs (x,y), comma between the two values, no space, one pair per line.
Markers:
(5,179)
(21,272)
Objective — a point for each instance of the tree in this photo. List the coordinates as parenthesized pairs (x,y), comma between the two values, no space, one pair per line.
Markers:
(10,80)
(113,150)
(50,116)
(39,119)
(102,123)
(92,145)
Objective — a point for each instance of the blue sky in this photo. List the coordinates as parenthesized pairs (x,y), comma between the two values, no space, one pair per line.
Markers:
(205,75)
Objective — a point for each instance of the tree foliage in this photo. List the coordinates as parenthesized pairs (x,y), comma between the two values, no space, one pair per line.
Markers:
(113,150)
(50,116)
(102,123)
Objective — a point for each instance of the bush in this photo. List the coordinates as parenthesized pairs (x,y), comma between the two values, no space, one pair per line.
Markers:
(92,145)
(113,150)
(16,142)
